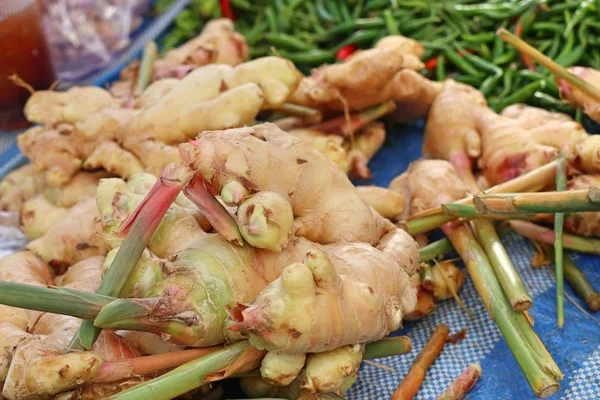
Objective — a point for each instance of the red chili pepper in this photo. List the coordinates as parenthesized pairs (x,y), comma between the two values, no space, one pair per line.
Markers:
(345,52)
(226,10)
(433,61)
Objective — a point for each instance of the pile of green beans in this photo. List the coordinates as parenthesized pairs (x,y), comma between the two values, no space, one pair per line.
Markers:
(459,37)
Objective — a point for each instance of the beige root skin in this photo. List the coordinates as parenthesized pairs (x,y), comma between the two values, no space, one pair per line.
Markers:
(576,98)
(39,368)
(529,117)
(583,223)
(370,77)
(510,151)
(74,238)
(114,159)
(586,155)
(49,107)
(19,186)
(22,267)
(280,369)
(451,131)
(426,302)
(266,220)
(218,43)
(421,184)
(329,290)
(447,280)
(388,203)
(344,217)
(37,216)
(332,371)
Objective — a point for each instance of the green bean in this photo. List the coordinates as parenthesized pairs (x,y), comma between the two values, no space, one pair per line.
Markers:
(312,10)
(359,37)
(521,95)
(357,9)
(546,101)
(322,11)
(545,46)
(595,58)
(479,37)
(390,23)
(572,58)
(365,23)
(506,58)
(581,11)
(485,52)
(313,57)
(376,4)
(547,26)
(490,83)
(498,48)
(334,10)
(507,82)
(480,62)
(556,42)
(461,64)
(255,34)
(271,19)
(440,70)
(288,41)
(418,23)
(555,9)
(469,80)
(345,13)
(568,47)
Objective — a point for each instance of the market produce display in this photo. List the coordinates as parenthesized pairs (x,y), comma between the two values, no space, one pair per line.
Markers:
(196,221)
(457,36)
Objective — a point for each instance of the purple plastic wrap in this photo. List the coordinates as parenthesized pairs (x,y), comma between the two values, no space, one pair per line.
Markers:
(85,35)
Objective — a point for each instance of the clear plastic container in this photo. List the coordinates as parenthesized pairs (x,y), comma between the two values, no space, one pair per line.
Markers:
(24,52)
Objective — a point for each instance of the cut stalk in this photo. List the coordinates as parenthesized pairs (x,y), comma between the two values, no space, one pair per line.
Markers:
(413,380)
(555,68)
(463,383)
(530,182)
(507,274)
(559,221)
(435,249)
(139,227)
(469,211)
(545,235)
(426,275)
(53,299)
(113,371)
(311,114)
(213,210)
(537,365)
(184,378)
(544,202)
(577,280)
(345,127)
(387,347)
(146,66)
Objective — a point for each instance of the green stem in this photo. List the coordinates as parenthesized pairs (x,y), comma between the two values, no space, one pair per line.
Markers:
(140,226)
(559,221)
(53,299)
(469,211)
(529,182)
(185,378)
(546,235)
(432,250)
(297,110)
(531,355)
(545,202)
(507,274)
(390,346)
(577,280)
(146,66)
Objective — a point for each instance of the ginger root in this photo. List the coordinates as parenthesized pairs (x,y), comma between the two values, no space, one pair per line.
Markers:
(19,186)
(578,99)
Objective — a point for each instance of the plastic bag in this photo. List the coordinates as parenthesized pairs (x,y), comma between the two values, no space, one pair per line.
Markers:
(85,35)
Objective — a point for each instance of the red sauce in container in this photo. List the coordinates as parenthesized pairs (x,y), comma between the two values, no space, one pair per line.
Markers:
(23,52)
